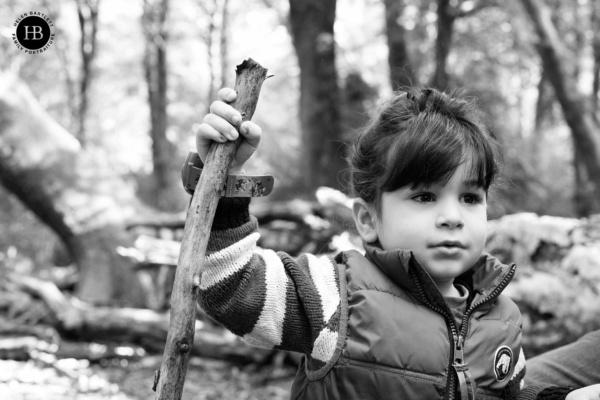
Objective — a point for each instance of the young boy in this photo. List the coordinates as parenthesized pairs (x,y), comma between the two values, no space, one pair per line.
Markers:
(420,315)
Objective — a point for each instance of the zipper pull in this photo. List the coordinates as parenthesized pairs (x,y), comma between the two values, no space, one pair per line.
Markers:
(459,358)
(465,381)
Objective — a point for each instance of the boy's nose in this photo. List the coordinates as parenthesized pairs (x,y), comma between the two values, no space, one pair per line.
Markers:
(449,216)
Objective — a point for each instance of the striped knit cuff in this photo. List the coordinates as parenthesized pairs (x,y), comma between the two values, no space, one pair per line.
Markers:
(544,393)
(231,212)
(554,393)
(221,239)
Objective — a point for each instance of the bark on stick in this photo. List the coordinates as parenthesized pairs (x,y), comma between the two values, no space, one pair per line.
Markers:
(169,383)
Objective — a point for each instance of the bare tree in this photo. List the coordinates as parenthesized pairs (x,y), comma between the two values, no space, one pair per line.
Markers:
(313,37)
(402,71)
(543,109)
(72,87)
(207,36)
(215,37)
(87,11)
(447,13)
(596,48)
(44,166)
(223,47)
(155,67)
(445,29)
(578,113)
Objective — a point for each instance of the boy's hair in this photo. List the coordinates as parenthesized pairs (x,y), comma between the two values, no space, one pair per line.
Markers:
(421,137)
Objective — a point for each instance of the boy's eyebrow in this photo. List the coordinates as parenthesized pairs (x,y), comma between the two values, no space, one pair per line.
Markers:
(469,183)
(472,183)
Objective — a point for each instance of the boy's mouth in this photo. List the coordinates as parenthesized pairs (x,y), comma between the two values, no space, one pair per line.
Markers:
(449,244)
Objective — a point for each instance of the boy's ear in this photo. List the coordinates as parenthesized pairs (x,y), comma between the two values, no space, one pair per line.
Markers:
(364,218)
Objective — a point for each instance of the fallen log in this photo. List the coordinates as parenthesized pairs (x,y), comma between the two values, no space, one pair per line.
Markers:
(11,328)
(295,227)
(20,348)
(148,328)
(331,207)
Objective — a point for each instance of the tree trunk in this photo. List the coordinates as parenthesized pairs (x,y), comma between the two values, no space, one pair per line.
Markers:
(224,44)
(443,43)
(596,49)
(69,191)
(207,37)
(544,101)
(543,109)
(576,110)
(87,11)
(402,72)
(583,205)
(447,13)
(155,67)
(313,37)
(358,98)
(584,202)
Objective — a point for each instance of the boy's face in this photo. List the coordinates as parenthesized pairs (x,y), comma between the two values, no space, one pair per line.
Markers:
(444,226)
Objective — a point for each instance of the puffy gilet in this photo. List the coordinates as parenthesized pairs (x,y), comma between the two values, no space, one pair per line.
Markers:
(398,339)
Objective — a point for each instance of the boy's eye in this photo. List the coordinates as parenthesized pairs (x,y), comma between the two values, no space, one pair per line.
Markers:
(424,197)
(472,198)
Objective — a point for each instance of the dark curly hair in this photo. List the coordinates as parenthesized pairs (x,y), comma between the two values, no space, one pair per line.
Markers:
(421,137)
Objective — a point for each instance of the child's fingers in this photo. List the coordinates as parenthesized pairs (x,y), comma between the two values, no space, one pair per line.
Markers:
(221,126)
(227,94)
(205,136)
(227,112)
(207,133)
(251,132)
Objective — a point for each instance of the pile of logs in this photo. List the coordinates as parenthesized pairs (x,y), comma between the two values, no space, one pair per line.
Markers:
(38,314)
(295,227)
(557,285)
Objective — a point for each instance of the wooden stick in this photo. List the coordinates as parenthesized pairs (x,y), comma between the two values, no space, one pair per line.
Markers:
(169,381)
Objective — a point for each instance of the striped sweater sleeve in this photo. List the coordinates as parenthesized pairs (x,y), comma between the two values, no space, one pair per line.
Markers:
(515,390)
(268,298)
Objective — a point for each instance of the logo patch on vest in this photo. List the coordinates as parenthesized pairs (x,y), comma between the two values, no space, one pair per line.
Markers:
(502,362)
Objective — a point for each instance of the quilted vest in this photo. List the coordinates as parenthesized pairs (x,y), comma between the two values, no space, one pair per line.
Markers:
(398,338)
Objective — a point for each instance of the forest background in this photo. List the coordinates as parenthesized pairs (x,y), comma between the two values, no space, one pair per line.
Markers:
(94,131)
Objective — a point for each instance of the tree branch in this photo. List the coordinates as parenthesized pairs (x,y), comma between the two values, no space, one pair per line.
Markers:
(250,76)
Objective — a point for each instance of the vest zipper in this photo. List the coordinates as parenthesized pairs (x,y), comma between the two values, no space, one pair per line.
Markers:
(495,293)
(452,337)
(459,361)
(456,338)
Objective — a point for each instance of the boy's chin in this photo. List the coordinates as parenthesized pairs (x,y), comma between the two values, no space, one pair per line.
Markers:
(446,270)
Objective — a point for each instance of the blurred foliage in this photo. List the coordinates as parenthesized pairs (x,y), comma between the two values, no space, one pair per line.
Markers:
(557,284)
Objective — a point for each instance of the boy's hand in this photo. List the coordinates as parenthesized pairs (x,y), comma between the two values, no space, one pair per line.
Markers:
(586,393)
(220,126)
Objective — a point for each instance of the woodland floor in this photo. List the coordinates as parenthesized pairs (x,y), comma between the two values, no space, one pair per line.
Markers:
(79,380)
